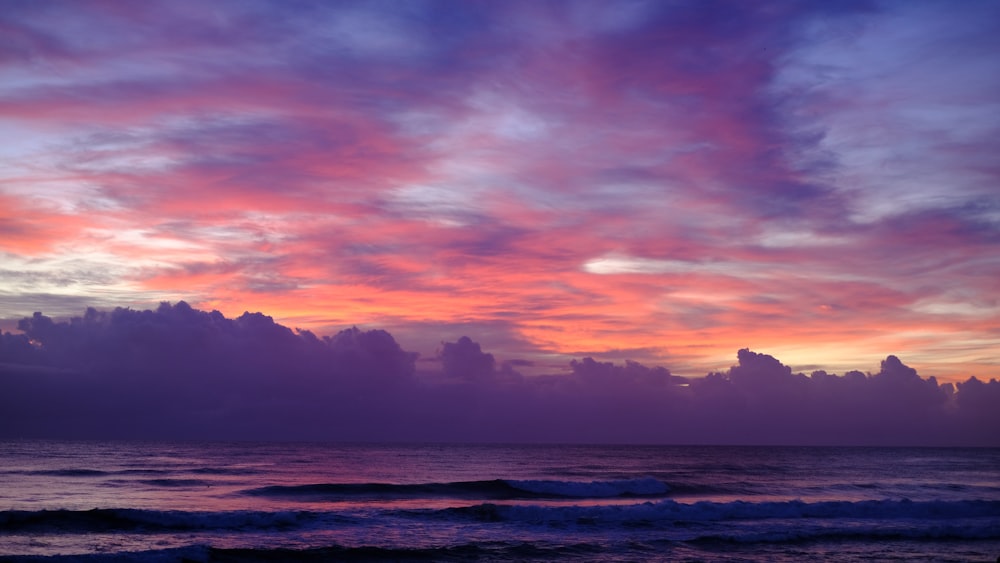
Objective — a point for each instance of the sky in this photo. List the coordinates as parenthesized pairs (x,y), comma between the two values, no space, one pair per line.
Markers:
(666,182)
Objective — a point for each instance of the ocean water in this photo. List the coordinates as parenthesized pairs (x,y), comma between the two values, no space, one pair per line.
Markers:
(122,501)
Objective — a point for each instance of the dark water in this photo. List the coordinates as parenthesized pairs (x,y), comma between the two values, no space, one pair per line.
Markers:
(239,501)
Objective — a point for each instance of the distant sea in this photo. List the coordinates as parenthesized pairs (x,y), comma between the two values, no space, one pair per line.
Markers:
(124,501)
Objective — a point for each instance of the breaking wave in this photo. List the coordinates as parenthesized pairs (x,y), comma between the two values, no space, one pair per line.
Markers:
(680,513)
(153,521)
(731,521)
(497,489)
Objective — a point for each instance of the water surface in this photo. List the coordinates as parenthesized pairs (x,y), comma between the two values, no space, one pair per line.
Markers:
(246,501)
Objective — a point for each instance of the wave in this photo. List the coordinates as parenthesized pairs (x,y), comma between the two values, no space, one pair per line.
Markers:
(86,472)
(594,489)
(709,521)
(676,513)
(177,482)
(152,521)
(222,471)
(82,472)
(484,551)
(734,489)
(497,489)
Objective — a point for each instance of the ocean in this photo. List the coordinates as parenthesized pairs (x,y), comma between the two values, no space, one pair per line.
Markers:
(132,501)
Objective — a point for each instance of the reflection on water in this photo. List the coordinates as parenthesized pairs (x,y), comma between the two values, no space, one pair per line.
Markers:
(514,502)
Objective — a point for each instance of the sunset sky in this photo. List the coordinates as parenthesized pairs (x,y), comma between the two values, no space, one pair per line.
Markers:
(664,181)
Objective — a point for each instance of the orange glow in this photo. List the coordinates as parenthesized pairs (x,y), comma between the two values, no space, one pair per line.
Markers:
(581,190)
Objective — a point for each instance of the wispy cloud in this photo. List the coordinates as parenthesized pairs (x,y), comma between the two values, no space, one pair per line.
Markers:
(683,178)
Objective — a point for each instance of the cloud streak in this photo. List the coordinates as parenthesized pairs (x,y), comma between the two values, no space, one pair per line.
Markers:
(686,179)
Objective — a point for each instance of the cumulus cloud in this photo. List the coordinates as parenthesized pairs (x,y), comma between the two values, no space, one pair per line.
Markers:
(178,372)
(465,359)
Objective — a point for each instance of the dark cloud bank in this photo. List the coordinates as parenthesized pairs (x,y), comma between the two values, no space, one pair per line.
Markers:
(182,373)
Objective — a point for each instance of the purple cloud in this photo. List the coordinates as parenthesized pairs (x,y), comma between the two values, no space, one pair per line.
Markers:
(464,359)
(178,372)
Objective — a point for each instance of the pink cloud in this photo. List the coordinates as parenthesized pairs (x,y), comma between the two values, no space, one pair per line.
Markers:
(677,181)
